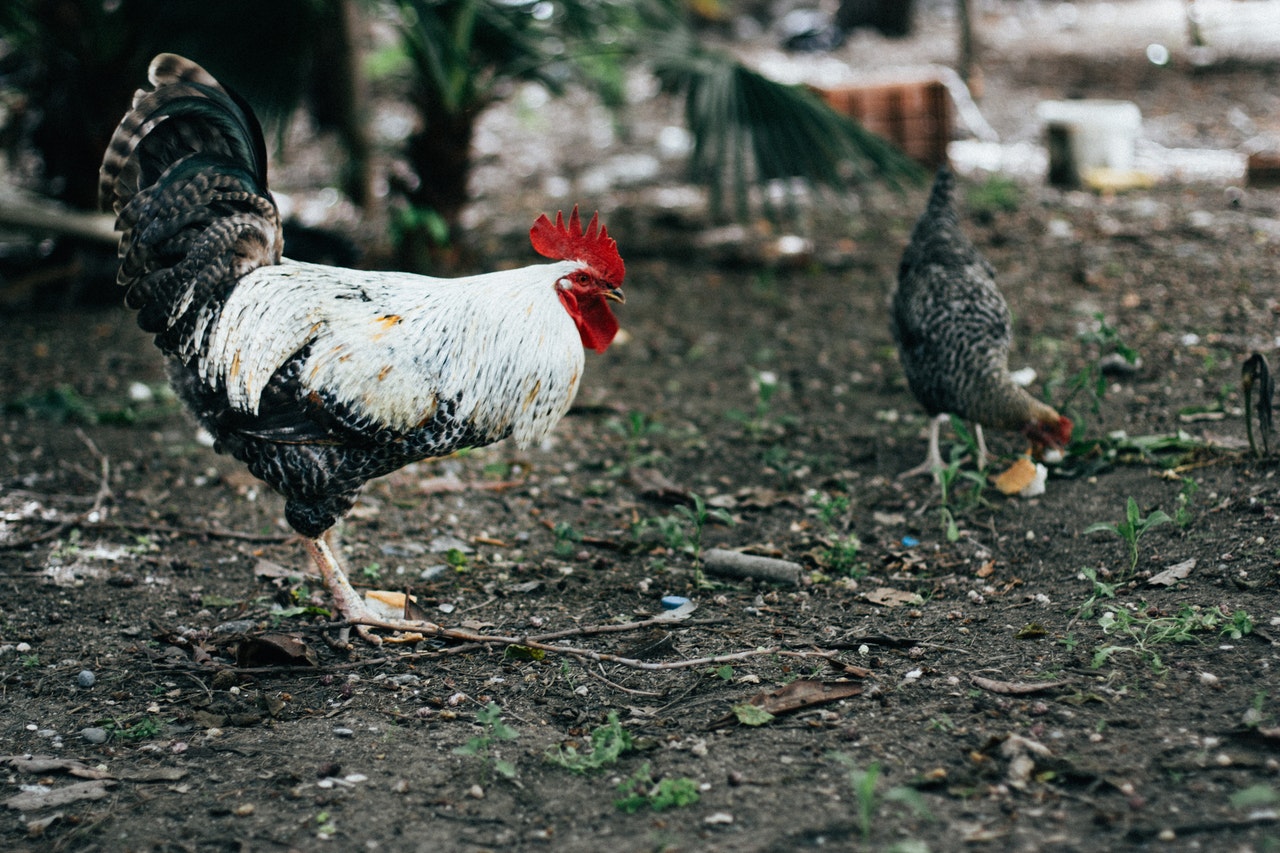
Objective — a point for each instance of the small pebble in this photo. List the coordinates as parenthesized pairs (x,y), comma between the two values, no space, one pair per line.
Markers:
(86,678)
(475,792)
(344,732)
(94,734)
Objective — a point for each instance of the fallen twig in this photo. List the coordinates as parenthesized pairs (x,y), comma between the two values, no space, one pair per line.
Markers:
(735,564)
(1015,688)
(82,521)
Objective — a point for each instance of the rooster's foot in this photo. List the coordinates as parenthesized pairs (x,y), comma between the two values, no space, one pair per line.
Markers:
(349,603)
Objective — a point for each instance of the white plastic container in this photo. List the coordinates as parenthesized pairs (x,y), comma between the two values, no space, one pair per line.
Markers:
(1098,134)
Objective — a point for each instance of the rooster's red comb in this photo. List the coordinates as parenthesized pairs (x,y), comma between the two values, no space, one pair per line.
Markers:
(595,248)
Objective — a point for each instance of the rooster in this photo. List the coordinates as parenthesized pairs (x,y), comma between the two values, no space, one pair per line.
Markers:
(321,378)
(951,326)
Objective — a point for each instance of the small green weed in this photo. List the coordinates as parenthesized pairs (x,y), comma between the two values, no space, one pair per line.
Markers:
(1090,380)
(682,530)
(724,672)
(1255,797)
(751,715)
(955,499)
(326,829)
(1133,528)
(842,549)
(997,194)
(640,790)
(142,544)
(864,782)
(608,743)
(1101,589)
(67,551)
(760,422)
(494,730)
(567,539)
(1145,632)
(456,558)
(1257,714)
(636,430)
(697,517)
(1182,515)
(147,727)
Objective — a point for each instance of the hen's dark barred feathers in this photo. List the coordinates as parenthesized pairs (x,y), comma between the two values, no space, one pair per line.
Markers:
(952,328)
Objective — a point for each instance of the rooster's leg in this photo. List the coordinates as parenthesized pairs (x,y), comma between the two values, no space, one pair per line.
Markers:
(933,462)
(349,603)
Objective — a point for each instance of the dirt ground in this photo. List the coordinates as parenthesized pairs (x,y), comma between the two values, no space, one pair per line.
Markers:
(954,669)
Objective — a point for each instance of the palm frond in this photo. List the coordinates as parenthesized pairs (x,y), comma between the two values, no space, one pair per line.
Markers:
(750,131)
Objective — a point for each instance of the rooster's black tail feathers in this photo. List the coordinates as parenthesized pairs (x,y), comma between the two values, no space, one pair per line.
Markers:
(186,174)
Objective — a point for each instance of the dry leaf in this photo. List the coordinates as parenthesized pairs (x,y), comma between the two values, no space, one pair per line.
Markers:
(889,597)
(386,604)
(803,693)
(271,571)
(275,650)
(1173,574)
(47,798)
(655,486)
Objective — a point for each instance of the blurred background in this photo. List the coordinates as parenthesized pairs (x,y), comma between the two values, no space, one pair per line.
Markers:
(419,134)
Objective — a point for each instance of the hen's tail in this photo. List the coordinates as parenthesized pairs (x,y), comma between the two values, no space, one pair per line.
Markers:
(940,196)
(186,174)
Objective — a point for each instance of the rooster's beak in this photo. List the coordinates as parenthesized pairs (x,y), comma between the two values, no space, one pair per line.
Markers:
(615,295)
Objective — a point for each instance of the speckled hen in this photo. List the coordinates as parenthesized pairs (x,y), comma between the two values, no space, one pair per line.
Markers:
(321,378)
(951,325)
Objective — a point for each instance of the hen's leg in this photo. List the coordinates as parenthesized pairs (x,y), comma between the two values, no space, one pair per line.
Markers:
(348,601)
(933,461)
(984,458)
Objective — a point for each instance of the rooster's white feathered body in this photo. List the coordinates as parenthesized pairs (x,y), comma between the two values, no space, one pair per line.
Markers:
(320,378)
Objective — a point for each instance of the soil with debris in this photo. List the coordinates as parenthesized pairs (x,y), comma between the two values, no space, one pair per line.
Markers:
(952,666)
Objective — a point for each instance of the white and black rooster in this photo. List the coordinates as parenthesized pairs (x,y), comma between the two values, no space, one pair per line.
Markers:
(321,378)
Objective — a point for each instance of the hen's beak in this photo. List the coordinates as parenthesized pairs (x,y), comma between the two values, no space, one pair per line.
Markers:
(615,295)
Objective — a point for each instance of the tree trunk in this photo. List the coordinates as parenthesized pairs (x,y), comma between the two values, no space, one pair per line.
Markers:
(338,99)
(440,156)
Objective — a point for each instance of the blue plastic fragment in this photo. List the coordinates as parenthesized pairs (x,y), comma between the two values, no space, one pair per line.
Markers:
(673,602)
(910,541)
